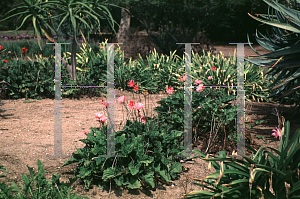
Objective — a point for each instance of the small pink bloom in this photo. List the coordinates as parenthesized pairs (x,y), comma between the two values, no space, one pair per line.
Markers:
(198,81)
(209,78)
(138,106)
(170,90)
(136,88)
(104,103)
(130,104)
(98,116)
(200,88)
(277,133)
(213,68)
(131,83)
(143,120)
(103,119)
(183,78)
(85,132)
(121,99)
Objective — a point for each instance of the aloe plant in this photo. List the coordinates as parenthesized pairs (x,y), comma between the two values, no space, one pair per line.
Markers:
(284,60)
(264,175)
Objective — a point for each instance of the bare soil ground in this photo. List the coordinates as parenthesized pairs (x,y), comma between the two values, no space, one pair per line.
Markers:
(27,134)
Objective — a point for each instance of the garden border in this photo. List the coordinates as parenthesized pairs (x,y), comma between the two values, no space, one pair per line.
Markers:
(110,150)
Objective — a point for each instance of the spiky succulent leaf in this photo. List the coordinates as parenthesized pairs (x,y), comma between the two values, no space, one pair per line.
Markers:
(284,60)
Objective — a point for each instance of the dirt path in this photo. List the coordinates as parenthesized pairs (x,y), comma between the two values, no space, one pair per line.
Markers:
(27,134)
(229,50)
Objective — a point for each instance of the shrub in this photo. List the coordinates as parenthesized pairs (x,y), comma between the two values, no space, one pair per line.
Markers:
(207,106)
(38,186)
(144,153)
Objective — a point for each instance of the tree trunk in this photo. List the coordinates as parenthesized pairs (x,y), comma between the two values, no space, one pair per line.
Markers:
(64,62)
(73,58)
(122,35)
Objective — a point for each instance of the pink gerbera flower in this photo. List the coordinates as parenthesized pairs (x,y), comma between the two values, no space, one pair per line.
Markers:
(136,88)
(183,78)
(85,132)
(104,103)
(170,90)
(138,106)
(98,116)
(103,119)
(121,99)
(131,83)
(277,132)
(198,81)
(143,120)
(130,104)
(200,88)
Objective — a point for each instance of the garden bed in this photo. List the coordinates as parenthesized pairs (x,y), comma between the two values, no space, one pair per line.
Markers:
(27,134)
(27,130)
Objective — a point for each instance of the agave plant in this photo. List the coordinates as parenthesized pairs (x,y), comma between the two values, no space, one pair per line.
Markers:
(264,175)
(284,60)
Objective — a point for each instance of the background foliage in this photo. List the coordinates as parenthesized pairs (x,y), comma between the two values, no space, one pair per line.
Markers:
(213,16)
(5,6)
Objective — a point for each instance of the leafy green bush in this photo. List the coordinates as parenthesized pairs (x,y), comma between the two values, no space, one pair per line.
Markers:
(154,75)
(267,174)
(26,79)
(208,105)
(30,79)
(146,153)
(157,73)
(225,74)
(15,48)
(5,191)
(38,186)
(34,79)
